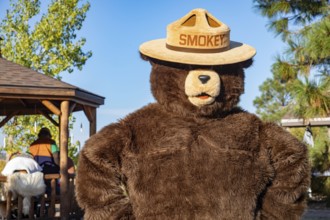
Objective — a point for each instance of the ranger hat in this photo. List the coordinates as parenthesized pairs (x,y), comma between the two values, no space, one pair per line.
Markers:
(198,38)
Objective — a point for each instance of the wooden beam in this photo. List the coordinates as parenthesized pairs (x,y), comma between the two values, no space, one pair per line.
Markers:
(89,113)
(72,107)
(7,118)
(49,118)
(64,133)
(23,102)
(51,107)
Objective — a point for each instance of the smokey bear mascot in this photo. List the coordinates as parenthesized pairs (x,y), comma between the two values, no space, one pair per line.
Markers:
(194,154)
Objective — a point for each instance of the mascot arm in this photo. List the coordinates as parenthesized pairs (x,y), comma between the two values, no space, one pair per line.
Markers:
(101,188)
(285,196)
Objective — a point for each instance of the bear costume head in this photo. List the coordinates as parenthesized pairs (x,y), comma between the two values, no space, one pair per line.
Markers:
(197,70)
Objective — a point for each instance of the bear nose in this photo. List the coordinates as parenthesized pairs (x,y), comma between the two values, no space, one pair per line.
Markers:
(204,78)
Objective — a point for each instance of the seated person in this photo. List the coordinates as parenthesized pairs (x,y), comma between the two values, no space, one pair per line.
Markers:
(24,177)
(46,152)
(21,162)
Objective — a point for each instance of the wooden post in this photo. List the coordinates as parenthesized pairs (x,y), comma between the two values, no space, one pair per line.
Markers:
(92,124)
(31,211)
(64,130)
(52,207)
(42,206)
(8,207)
(19,206)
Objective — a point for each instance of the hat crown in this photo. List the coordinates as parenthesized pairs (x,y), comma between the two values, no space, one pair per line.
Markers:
(198,30)
(199,18)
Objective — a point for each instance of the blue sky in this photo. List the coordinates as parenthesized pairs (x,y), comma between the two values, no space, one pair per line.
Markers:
(114,30)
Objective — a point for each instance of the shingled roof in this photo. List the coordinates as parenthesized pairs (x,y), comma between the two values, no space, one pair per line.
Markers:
(22,89)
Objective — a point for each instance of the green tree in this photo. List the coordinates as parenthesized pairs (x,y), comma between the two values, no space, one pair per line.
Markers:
(312,97)
(272,104)
(46,42)
(301,74)
(303,69)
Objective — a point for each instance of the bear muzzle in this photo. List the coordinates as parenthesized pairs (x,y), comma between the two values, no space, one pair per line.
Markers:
(202,87)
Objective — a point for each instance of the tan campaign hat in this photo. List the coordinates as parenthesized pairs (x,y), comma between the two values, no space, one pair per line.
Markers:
(198,38)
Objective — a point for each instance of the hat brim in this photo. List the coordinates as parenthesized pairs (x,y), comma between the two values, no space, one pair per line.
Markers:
(237,52)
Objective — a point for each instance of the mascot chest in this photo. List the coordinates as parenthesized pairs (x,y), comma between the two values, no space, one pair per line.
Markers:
(181,164)
(232,135)
(184,150)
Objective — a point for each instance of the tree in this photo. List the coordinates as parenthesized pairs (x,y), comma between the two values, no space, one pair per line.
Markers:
(305,28)
(274,99)
(301,75)
(312,97)
(50,45)
(46,42)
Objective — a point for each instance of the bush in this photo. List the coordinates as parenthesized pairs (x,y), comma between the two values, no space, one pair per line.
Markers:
(2,164)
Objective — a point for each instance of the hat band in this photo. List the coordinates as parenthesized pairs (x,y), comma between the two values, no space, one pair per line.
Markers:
(197,50)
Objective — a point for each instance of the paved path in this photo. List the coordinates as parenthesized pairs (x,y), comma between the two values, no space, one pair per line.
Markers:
(317,214)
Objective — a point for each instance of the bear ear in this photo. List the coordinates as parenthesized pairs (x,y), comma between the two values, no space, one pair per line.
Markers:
(144,57)
(247,63)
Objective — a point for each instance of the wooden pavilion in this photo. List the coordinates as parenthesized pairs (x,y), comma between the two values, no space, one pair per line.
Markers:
(27,92)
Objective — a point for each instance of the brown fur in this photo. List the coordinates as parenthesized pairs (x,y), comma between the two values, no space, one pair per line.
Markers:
(173,160)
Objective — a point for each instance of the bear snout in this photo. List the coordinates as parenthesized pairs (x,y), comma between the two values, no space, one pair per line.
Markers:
(202,87)
(204,78)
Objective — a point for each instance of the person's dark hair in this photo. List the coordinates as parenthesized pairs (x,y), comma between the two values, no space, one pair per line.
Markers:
(44,132)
